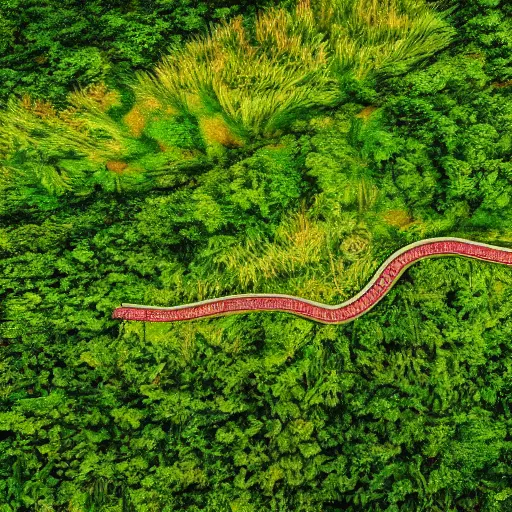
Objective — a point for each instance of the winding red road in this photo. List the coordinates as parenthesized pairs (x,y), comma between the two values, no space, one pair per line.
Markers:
(385,277)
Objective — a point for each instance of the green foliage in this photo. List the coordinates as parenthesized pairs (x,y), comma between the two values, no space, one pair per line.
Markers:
(405,409)
(86,146)
(367,36)
(252,194)
(484,27)
(258,86)
(254,89)
(217,92)
(453,129)
(48,49)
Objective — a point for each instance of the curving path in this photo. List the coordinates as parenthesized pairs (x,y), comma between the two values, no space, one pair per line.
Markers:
(385,277)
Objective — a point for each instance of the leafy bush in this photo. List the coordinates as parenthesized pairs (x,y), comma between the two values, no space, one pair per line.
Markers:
(484,29)
(48,49)
(404,408)
(454,129)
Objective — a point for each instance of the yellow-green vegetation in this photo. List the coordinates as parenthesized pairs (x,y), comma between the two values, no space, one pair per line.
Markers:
(224,91)
(290,153)
(257,81)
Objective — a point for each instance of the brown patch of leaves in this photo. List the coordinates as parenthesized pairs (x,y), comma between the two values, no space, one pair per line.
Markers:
(366,112)
(499,85)
(116,166)
(135,120)
(102,96)
(42,109)
(215,129)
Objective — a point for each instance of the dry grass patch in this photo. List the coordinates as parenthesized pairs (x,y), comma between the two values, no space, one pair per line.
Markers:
(116,166)
(366,112)
(135,120)
(397,218)
(216,130)
(102,96)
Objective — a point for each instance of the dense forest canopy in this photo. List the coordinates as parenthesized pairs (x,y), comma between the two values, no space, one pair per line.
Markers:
(163,152)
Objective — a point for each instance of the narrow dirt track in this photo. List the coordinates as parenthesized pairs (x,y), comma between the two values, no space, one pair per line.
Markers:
(385,277)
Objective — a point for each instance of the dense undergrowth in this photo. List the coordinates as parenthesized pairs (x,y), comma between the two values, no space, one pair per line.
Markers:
(186,187)
(48,48)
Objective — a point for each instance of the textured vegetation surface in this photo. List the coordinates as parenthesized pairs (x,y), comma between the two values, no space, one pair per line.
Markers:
(260,157)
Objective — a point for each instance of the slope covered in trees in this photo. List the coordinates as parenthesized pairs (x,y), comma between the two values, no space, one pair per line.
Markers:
(291,153)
